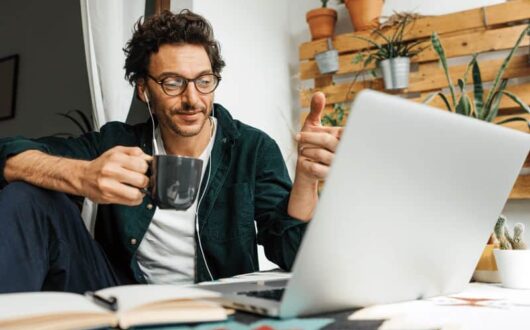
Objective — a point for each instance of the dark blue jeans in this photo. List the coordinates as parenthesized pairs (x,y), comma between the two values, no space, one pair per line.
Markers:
(44,244)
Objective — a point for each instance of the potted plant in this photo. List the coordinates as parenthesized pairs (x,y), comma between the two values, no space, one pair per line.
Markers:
(393,54)
(322,21)
(513,257)
(364,14)
(482,107)
(328,61)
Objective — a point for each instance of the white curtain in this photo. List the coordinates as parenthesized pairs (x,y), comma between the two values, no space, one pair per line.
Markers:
(107,26)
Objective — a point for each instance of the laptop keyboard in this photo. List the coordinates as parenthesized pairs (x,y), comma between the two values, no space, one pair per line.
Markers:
(265,294)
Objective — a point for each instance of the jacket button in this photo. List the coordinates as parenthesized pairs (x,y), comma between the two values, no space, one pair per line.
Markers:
(133,241)
(149,206)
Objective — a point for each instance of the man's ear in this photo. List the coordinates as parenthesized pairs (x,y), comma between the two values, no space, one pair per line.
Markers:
(140,89)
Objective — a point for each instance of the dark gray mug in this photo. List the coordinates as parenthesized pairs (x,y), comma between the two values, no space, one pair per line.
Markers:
(175,181)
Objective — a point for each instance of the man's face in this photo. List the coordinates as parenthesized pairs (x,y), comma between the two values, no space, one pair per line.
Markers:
(186,114)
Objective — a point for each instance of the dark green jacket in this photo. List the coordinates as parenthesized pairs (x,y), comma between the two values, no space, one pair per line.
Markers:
(249,181)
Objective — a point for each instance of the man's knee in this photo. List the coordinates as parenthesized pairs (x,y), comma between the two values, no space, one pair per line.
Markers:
(21,197)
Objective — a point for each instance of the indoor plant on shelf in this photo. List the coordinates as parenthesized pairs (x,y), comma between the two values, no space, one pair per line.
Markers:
(513,257)
(322,21)
(481,108)
(393,53)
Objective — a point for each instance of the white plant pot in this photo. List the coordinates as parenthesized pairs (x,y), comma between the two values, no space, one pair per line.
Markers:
(395,72)
(514,268)
(328,61)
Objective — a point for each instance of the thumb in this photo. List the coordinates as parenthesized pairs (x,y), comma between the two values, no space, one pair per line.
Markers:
(318,102)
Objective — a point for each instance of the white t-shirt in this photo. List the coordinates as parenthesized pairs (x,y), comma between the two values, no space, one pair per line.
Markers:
(167,251)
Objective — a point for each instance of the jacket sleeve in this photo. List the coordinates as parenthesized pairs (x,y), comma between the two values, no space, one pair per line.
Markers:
(279,233)
(85,147)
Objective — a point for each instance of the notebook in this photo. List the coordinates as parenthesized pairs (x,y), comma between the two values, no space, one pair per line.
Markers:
(122,306)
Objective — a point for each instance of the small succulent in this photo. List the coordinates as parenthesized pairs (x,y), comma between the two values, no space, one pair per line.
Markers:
(506,240)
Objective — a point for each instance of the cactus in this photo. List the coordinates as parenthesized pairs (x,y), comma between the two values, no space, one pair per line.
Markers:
(506,240)
(500,232)
(518,243)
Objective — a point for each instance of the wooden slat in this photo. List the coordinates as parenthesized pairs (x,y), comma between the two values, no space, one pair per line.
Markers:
(521,90)
(323,81)
(339,93)
(471,19)
(432,77)
(521,189)
(429,77)
(490,40)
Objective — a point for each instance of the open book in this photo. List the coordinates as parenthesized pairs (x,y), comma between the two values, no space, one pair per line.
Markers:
(135,305)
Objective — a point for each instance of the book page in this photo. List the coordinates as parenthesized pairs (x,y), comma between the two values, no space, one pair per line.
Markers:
(131,296)
(27,304)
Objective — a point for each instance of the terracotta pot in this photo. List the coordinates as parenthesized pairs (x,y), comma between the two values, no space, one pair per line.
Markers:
(321,22)
(364,14)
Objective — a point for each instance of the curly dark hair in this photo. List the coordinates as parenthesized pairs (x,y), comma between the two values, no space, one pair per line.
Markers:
(168,28)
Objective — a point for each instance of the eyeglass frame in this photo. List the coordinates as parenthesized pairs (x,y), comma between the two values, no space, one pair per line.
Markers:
(187,81)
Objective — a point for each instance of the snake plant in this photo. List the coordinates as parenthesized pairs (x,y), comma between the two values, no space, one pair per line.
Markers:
(483,107)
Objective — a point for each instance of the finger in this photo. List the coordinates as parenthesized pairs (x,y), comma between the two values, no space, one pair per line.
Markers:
(335,131)
(135,163)
(315,170)
(119,193)
(133,179)
(306,145)
(317,155)
(118,173)
(318,102)
(321,140)
(133,151)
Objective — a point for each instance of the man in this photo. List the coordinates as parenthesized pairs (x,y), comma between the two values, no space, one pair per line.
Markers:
(175,64)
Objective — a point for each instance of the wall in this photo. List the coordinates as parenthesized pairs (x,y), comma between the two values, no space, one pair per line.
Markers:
(52,70)
(254,38)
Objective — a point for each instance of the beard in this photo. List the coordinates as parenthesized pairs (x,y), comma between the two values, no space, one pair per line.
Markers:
(170,120)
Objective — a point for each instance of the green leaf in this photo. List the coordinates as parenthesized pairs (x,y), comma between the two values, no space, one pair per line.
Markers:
(87,122)
(446,101)
(437,45)
(370,41)
(492,108)
(463,107)
(512,119)
(358,58)
(383,36)
(429,98)
(517,100)
(74,120)
(504,65)
(478,91)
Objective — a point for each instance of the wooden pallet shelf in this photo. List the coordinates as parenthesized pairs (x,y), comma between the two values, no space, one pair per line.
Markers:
(488,30)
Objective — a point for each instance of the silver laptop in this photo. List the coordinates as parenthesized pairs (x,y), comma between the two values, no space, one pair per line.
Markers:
(407,208)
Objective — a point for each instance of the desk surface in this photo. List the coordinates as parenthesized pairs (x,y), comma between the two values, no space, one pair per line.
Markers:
(479,306)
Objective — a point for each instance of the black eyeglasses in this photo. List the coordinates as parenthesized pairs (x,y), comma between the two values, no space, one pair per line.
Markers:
(176,85)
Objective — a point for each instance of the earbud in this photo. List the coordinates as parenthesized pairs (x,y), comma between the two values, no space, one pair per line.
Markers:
(146,97)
